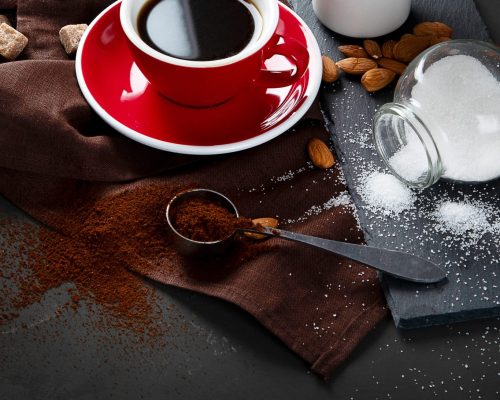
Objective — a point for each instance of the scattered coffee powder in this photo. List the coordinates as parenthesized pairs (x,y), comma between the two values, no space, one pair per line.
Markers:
(95,252)
(92,254)
(206,221)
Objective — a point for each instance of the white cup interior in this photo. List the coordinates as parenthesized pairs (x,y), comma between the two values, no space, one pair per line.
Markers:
(269,13)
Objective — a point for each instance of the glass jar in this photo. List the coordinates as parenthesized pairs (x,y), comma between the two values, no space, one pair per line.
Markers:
(445,118)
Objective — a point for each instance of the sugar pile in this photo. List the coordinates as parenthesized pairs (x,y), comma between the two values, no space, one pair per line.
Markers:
(461,96)
(410,161)
(385,193)
(462,218)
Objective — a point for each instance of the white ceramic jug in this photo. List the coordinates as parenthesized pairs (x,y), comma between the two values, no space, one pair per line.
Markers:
(362,18)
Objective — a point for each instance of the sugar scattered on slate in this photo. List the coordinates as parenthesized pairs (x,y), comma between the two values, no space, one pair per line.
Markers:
(469,258)
(463,218)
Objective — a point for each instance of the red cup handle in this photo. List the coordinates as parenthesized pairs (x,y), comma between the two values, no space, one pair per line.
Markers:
(295,52)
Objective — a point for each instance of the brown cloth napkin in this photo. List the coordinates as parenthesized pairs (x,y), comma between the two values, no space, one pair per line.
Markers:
(54,151)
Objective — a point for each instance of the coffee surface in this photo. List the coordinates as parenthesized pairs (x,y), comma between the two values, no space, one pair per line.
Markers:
(200,30)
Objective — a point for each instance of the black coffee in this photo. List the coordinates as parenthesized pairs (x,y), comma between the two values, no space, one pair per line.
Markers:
(199,30)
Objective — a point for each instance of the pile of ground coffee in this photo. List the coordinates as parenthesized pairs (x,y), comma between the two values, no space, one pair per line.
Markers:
(205,221)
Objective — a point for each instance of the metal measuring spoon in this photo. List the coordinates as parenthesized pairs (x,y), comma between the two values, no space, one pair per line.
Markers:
(395,263)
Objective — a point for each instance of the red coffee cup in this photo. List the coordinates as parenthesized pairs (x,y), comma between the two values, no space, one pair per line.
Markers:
(208,83)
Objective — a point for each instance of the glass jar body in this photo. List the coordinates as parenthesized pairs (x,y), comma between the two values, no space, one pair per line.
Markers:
(445,118)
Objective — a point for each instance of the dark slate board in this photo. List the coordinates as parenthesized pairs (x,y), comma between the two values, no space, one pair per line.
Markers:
(473,289)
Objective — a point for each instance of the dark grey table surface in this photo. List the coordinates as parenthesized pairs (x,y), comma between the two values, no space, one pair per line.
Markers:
(213,350)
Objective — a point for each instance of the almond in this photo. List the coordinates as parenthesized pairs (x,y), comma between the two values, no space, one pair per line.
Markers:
(409,47)
(319,153)
(438,29)
(392,65)
(407,35)
(411,36)
(267,222)
(356,66)
(387,47)
(330,70)
(372,48)
(376,79)
(435,40)
(351,50)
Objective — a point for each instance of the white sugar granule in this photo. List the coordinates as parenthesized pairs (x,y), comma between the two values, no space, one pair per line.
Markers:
(342,199)
(459,101)
(385,193)
(463,218)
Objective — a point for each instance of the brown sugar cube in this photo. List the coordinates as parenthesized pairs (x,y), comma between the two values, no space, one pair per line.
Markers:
(12,42)
(4,19)
(70,36)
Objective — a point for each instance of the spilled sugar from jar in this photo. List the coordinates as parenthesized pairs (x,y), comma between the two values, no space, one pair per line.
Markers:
(468,259)
(386,194)
(466,220)
(459,100)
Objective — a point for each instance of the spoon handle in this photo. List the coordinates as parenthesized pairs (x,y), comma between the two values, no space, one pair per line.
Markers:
(395,263)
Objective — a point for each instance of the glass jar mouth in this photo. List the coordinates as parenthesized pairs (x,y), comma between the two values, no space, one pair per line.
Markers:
(406,145)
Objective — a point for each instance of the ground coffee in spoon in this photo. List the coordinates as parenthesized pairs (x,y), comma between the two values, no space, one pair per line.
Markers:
(206,221)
